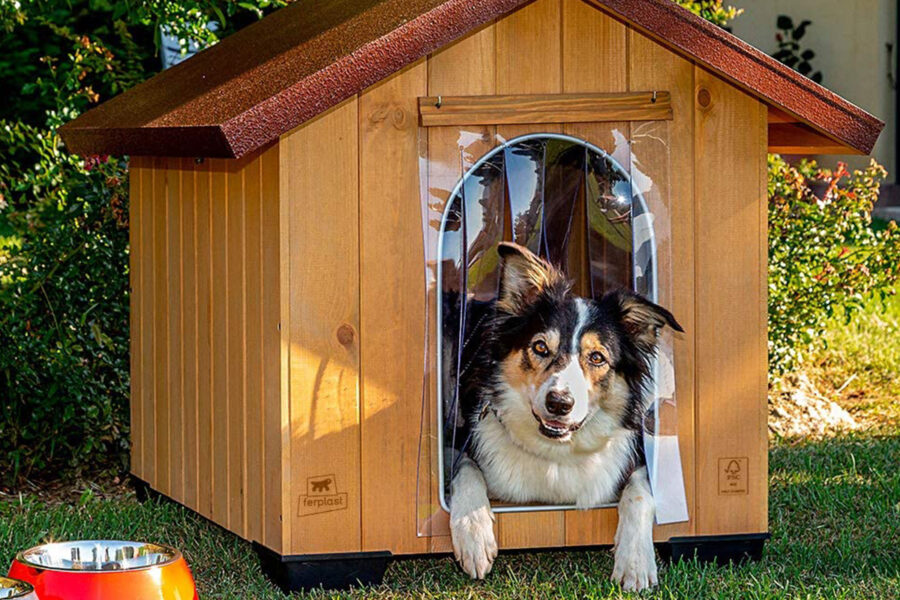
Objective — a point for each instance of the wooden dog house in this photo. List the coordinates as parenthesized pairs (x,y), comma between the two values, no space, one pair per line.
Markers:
(277,313)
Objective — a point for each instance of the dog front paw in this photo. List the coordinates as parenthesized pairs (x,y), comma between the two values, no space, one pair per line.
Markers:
(635,566)
(474,544)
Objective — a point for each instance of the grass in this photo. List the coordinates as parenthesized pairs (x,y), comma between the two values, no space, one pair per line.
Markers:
(860,364)
(834,515)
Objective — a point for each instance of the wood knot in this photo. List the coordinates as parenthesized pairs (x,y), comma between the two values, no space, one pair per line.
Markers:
(704,98)
(346,334)
(395,115)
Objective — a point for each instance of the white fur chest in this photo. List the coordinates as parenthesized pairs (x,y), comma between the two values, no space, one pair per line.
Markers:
(586,472)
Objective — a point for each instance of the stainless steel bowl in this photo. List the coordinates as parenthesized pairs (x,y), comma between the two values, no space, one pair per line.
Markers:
(98,556)
(13,588)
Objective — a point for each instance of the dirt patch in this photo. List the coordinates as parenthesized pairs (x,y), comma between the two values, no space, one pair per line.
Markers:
(71,491)
(798,409)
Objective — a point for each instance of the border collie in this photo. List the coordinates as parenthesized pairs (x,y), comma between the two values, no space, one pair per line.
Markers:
(554,406)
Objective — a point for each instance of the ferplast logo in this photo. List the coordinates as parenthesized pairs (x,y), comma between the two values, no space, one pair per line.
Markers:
(322,495)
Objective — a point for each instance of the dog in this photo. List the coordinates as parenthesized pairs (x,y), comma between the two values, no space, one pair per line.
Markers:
(321,486)
(553,406)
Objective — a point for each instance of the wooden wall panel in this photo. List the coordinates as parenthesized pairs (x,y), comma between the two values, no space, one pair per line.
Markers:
(137,172)
(254,434)
(276,371)
(206,259)
(594,60)
(160,319)
(174,420)
(730,310)
(324,331)
(467,67)
(235,369)
(529,61)
(219,400)
(205,409)
(148,320)
(391,309)
(528,50)
(652,67)
(188,334)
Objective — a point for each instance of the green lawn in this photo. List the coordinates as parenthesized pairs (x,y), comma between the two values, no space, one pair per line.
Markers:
(834,516)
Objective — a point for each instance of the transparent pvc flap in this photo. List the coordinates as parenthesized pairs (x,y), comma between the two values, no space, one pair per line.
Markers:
(653,243)
(599,214)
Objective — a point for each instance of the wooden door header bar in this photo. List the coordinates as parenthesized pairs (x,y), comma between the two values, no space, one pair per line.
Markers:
(441,111)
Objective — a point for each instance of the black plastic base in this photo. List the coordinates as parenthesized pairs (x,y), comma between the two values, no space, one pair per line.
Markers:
(341,571)
(329,571)
(720,549)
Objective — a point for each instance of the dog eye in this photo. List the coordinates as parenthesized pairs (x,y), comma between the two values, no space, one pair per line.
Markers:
(541,349)
(596,359)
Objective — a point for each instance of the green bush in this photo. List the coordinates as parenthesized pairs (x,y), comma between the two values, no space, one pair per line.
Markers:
(824,255)
(712,10)
(63,223)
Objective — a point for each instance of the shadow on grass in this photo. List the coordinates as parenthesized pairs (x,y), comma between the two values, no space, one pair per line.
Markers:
(834,517)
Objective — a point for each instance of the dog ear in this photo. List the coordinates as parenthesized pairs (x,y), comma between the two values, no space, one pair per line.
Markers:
(641,318)
(523,277)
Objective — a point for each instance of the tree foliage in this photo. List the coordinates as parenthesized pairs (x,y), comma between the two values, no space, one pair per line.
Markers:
(63,221)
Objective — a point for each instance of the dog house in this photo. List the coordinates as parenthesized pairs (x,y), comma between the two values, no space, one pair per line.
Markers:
(309,196)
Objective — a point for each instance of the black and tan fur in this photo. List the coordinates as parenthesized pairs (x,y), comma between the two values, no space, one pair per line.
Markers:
(554,401)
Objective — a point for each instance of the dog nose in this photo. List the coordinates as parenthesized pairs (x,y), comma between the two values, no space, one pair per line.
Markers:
(559,403)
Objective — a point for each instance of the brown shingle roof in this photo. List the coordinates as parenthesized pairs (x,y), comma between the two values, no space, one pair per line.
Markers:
(303,59)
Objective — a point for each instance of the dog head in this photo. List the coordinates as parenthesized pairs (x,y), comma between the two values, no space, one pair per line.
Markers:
(562,361)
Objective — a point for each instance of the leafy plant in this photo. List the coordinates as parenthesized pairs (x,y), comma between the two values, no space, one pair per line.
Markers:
(824,256)
(712,10)
(790,52)
(63,223)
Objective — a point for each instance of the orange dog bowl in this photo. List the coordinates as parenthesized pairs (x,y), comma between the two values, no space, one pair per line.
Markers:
(105,571)
(13,588)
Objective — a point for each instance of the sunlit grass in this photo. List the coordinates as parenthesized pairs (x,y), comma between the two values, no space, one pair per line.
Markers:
(860,364)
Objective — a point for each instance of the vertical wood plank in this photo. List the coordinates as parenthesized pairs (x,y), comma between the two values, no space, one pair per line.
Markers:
(594,60)
(148,317)
(324,330)
(529,61)
(730,306)
(391,310)
(467,67)
(219,400)
(204,342)
(236,367)
(528,50)
(174,333)
(276,325)
(160,323)
(652,67)
(136,173)
(189,455)
(761,447)
(254,434)
(593,50)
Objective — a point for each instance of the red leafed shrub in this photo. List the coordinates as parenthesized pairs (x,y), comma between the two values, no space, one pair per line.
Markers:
(824,253)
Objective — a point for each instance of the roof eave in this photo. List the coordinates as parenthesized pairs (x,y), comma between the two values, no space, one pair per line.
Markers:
(200,141)
(732,59)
